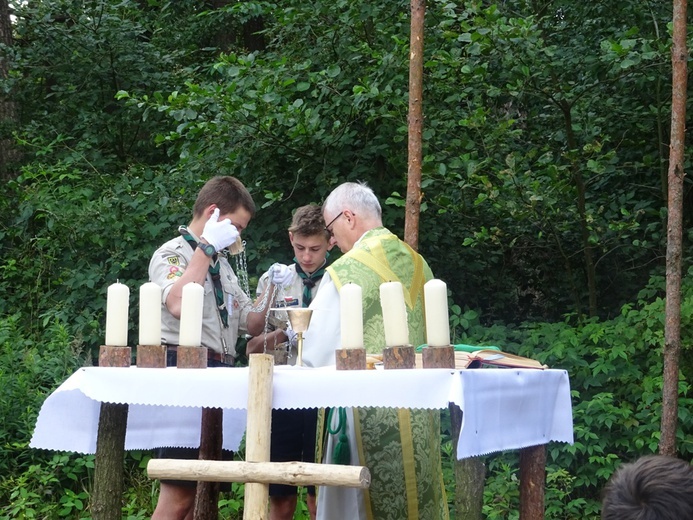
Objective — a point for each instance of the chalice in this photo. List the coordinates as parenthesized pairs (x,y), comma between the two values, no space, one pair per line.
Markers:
(299,318)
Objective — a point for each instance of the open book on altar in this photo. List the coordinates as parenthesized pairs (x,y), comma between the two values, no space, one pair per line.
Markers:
(494,358)
(467,356)
(473,356)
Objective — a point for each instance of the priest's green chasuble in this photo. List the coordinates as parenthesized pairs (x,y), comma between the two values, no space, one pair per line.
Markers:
(401,448)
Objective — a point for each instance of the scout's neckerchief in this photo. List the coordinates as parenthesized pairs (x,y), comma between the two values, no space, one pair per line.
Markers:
(310,280)
(216,277)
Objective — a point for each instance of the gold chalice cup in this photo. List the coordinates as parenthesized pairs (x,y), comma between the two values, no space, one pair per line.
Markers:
(299,318)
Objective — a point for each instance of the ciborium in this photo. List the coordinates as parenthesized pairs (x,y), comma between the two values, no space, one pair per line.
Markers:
(299,319)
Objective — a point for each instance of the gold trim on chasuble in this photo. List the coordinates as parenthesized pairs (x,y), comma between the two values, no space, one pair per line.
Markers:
(404,416)
(376,261)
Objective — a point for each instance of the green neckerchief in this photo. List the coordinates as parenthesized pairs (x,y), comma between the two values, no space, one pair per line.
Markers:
(309,280)
(216,277)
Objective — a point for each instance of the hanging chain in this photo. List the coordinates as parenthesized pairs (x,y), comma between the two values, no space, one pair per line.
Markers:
(272,294)
(241,263)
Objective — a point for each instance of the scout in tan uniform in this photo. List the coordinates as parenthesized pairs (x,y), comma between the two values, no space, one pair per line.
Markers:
(221,212)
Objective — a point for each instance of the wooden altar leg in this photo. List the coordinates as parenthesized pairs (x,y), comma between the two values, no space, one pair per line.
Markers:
(207,493)
(532,477)
(469,473)
(211,440)
(257,437)
(107,497)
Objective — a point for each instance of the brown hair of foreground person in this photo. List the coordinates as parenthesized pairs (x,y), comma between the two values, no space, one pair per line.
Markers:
(654,487)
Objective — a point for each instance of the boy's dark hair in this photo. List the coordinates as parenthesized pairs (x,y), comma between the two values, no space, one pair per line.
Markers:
(654,487)
(227,192)
(308,222)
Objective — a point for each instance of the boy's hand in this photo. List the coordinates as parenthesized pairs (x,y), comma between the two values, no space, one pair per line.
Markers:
(280,275)
(219,234)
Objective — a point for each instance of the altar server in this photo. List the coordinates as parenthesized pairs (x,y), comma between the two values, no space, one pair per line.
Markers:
(293,431)
(222,210)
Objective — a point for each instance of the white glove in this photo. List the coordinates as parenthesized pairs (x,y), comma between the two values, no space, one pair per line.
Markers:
(280,275)
(291,335)
(219,234)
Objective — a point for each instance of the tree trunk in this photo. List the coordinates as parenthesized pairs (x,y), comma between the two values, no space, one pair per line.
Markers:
(9,155)
(413,207)
(250,36)
(470,475)
(672,327)
(580,195)
(107,496)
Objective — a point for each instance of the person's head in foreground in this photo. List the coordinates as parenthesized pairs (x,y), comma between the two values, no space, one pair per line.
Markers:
(654,487)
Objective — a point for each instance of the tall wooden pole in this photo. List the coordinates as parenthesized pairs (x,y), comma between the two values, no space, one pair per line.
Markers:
(257,437)
(672,327)
(9,111)
(415,120)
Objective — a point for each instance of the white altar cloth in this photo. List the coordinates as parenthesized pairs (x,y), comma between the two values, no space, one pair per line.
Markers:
(502,408)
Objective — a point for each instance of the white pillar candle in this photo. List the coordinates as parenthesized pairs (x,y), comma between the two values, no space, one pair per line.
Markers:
(351,315)
(191,315)
(394,314)
(150,314)
(117,304)
(437,320)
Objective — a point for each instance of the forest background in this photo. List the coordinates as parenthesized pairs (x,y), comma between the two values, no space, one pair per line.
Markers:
(543,193)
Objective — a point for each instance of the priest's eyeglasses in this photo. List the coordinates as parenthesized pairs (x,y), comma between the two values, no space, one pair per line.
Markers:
(327,227)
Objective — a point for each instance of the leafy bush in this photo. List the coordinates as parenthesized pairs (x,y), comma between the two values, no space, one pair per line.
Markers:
(615,368)
(84,234)
(29,370)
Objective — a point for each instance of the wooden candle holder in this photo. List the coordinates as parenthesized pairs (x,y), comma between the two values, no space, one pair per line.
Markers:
(403,356)
(151,356)
(438,357)
(114,356)
(350,358)
(191,357)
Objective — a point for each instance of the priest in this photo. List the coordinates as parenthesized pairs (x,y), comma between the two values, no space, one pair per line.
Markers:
(401,448)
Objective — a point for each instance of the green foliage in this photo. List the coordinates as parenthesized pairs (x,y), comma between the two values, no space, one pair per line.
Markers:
(545,141)
(615,370)
(29,371)
(74,57)
(518,141)
(84,233)
(524,181)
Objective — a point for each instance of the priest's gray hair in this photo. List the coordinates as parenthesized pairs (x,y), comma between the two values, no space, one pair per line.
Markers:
(357,197)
